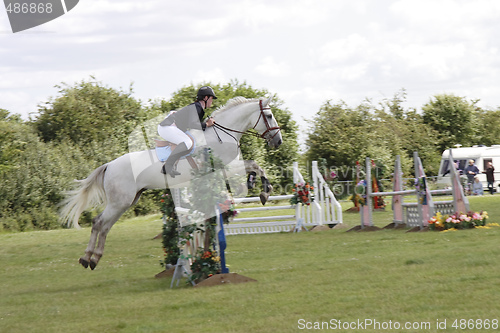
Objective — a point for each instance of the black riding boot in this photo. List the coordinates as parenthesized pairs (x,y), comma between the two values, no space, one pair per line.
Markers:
(178,152)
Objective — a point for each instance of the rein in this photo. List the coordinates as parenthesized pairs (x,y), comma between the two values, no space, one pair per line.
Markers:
(257,135)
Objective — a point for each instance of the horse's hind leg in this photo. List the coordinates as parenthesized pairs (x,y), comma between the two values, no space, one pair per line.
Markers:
(85,260)
(106,220)
(103,224)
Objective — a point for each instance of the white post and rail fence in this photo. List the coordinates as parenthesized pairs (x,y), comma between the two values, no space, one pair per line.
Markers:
(323,210)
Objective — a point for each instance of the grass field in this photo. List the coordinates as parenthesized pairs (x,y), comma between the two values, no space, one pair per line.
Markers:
(390,277)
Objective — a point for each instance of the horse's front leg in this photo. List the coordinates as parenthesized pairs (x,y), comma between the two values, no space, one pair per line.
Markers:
(254,169)
(267,188)
(251,180)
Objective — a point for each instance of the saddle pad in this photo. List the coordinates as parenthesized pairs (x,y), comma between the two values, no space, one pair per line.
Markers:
(163,153)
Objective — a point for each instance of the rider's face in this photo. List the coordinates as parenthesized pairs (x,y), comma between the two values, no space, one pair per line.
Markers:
(208,102)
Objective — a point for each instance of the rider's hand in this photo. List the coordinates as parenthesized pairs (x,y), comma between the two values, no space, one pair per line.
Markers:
(210,122)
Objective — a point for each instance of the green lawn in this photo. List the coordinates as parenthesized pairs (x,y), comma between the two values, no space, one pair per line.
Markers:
(386,276)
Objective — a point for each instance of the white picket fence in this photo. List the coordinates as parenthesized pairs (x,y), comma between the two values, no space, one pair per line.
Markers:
(325,209)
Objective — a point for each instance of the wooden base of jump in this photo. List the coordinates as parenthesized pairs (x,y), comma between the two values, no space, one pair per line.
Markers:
(340,226)
(320,228)
(214,280)
(395,226)
(358,228)
(166,273)
(227,278)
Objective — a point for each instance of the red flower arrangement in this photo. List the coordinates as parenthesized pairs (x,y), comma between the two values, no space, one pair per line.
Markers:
(302,194)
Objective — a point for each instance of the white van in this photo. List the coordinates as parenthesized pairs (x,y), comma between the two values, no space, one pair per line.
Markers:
(480,154)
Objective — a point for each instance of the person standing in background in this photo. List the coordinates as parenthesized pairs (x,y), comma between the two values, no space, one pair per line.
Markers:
(471,171)
(490,177)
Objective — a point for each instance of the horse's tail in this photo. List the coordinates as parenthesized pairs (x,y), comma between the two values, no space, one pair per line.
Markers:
(90,193)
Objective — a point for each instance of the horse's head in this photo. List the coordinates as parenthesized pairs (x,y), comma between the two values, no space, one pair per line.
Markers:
(266,124)
(248,114)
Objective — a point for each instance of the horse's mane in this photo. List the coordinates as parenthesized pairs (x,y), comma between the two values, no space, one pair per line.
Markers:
(232,103)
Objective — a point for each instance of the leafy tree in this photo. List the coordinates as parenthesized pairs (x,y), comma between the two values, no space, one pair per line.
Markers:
(33,175)
(419,137)
(87,125)
(403,131)
(12,139)
(488,127)
(341,135)
(394,107)
(96,117)
(452,117)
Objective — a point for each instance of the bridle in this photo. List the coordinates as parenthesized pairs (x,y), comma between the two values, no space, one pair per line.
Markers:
(262,115)
(266,122)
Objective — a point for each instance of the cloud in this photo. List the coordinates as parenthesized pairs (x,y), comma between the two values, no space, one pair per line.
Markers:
(446,12)
(269,67)
(289,13)
(342,50)
(215,75)
(306,51)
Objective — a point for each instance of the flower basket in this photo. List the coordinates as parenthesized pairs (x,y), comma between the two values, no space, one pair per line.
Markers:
(470,220)
(302,194)
(205,264)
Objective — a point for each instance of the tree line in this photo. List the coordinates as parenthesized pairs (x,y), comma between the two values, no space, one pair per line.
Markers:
(340,135)
(88,124)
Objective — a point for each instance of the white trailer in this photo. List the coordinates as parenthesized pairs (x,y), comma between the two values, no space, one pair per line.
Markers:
(481,156)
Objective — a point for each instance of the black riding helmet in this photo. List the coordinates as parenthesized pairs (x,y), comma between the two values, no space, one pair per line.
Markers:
(205,91)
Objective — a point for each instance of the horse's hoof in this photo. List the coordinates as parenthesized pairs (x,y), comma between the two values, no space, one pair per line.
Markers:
(84,263)
(93,264)
(263,197)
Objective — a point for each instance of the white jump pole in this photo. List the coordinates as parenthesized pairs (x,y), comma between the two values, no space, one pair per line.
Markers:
(367,208)
(397,186)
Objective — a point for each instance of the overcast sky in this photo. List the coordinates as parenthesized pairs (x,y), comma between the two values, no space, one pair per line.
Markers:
(307,52)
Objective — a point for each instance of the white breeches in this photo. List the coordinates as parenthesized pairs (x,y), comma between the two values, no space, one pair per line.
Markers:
(174,135)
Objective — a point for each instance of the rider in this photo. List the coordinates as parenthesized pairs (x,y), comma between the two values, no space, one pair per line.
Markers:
(173,127)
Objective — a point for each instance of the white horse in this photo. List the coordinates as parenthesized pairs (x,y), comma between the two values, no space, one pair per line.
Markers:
(119,184)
